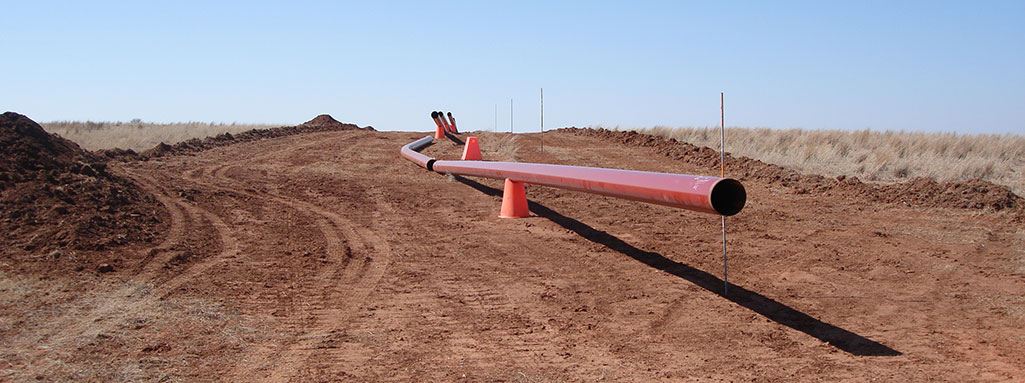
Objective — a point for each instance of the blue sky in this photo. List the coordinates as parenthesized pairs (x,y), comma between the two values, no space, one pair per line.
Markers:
(922,66)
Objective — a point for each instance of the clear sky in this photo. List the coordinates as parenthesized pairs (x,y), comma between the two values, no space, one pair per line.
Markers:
(886,65)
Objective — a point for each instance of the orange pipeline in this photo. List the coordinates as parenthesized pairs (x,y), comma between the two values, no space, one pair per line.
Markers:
(441,128)
(723,196)
(452,121)
(441,116)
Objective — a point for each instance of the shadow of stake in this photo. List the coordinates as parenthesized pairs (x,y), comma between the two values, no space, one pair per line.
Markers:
(767,307)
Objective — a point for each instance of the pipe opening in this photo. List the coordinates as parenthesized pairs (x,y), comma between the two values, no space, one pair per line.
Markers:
(430,164)
(728,197)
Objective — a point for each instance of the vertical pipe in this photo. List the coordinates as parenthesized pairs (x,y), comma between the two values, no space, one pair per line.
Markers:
(440,132)
(452,122)
(441,116)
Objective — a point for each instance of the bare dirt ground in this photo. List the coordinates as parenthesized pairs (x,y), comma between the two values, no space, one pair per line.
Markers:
(326,257)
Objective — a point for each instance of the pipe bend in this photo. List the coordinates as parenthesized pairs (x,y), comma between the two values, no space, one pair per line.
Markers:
(411,152)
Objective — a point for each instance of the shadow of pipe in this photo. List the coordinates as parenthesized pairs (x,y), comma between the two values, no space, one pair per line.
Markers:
(454,138)
(767,307)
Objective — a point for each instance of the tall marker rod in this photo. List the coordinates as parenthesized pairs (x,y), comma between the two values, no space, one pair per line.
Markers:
(722,135)
(722,164)
(542,120)
(510,116)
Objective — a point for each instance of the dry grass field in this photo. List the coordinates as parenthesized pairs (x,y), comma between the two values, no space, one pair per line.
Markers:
(139,135)
(872,155)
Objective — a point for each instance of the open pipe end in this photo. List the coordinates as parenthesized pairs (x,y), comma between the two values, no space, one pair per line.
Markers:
(434,114)
(449,114)
(728,197)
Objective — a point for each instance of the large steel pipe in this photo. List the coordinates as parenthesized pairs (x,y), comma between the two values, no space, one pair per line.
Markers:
(411,152)
(714,195)
(441,117)
(452,122)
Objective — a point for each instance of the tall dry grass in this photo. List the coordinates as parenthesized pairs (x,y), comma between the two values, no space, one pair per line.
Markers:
(873,155)
(499,146)
(138,135)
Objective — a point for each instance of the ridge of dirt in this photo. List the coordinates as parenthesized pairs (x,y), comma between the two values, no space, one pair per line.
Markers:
(54,195)
(918,192)
(321,123)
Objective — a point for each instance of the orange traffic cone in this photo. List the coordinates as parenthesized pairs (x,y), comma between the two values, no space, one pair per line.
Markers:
(471,151)
(440,132)
(514,200)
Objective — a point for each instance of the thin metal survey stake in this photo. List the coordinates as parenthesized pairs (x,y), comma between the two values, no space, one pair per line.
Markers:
(722,165)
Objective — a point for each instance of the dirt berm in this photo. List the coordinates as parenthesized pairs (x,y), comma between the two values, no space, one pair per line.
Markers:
(321,123)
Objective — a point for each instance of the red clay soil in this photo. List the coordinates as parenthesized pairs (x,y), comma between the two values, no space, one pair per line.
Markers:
(58,198)
(326,257)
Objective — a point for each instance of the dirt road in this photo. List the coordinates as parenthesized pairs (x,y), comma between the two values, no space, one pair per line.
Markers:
(326,257)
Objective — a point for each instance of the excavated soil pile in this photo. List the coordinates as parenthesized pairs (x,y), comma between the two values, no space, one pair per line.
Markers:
(326,122)
(55,195)
(321,123)
(918,192)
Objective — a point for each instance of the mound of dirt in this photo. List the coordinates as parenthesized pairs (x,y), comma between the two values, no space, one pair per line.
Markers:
(325,121)
(55,195)
(321,123)
(918,192)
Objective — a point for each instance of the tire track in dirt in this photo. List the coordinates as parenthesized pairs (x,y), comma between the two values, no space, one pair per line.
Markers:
(174,232)
(230,247)
(371,256)
(131,298)
(344,290)
(343,300)
(340,301)
(337,248)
